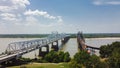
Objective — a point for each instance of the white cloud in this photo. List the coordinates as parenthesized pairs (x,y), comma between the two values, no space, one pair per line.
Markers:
(10,5)
(21,3)
(16,18)
(59,19)
(8,16)
(39,13)
(43,14)
(106,2)
(114,2)
(30,20)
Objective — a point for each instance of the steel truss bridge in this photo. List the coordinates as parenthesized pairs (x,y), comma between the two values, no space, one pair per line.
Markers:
(17,49)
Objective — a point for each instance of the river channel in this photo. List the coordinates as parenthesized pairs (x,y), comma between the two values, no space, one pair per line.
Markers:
(71,46)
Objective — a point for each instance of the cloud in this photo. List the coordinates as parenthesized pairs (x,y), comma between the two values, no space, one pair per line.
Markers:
(60,19)
(10,5)
(106,2)
(114,2)
(44,14)
(15,17)
(39,13)
(8,16)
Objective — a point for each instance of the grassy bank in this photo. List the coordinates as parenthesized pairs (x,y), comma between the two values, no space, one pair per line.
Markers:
(43,65)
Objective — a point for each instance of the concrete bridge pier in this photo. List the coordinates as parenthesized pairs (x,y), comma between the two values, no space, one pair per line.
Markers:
(42,52)
(55,46)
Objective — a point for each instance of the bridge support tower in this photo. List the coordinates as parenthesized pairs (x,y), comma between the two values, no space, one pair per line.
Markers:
(43,53)
(55,46)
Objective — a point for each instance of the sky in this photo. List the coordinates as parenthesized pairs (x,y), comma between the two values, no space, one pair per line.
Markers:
(64,16)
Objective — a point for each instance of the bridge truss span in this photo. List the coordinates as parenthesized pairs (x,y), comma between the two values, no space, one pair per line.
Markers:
(32,44)
(19,48)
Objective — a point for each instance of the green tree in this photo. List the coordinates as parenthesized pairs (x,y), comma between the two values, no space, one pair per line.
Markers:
(52,56)
(102,65)
(93,62)
(113,54)
(114,59)
(56,57)
(74,64)
(81,59)
(61,56)
(66,57)
(105,51)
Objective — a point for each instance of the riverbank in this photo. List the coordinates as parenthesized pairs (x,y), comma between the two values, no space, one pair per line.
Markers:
(43,65)
(105,38)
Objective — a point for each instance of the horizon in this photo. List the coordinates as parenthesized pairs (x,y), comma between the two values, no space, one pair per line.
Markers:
(45,16)
(59,33)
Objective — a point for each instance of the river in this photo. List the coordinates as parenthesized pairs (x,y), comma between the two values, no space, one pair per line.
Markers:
(71,46)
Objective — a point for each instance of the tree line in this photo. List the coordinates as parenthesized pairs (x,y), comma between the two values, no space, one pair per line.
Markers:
(109,58)
(112,54)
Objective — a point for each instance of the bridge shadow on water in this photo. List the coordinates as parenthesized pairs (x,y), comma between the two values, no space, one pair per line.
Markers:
(61,46)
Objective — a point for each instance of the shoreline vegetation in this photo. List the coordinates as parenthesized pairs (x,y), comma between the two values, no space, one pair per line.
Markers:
(89,35)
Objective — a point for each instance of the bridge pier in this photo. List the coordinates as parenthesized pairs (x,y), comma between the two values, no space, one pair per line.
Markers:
(43,53)
(65,40)
(55,46)
(80,46)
